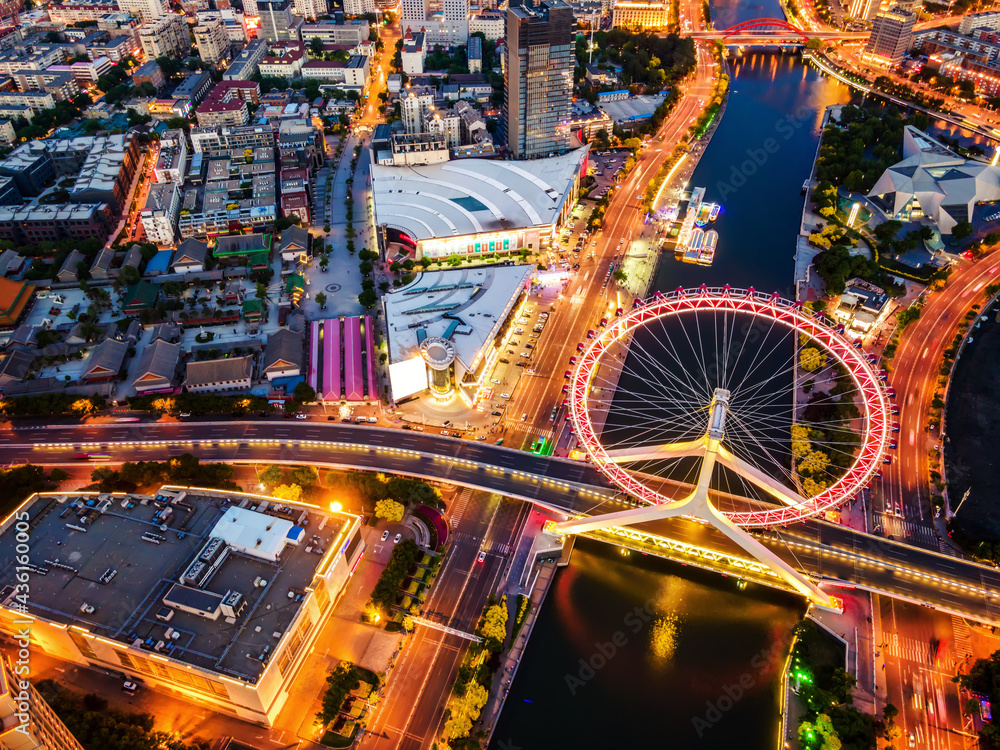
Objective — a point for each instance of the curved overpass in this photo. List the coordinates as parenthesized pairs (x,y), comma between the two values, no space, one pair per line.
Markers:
(821,550)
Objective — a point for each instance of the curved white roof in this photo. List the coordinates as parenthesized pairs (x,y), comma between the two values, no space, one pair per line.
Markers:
(466,197)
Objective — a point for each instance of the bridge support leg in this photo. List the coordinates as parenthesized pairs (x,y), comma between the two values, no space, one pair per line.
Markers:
(697,505)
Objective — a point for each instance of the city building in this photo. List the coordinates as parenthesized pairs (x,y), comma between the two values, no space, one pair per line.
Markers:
(194,88)
(447,124)
(61,85)
(492,24)
(414,53)
(157,367)
(74,11)
(246,63)
(165,37)
(214,375)
(863,307)
(429,350)
(171,163)
(443,22)
(212,40)
(285,61)
(219,141)
(159,215)
(149,72)
(26,720)
(538,78)
(222,633)
(414,105)
(634,14)
(311,9)
(350,75)
(352,32)
(891,37)
(475,54)
(277,23)
(487,209)
(863,10)
(29,225)
(359,7)
(989,19)
(233,22)
(415,149)
(226,104)
(190,257)
(145,10)
(933,181)
(282,355)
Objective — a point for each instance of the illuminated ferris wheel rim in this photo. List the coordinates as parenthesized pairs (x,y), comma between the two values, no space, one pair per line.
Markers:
(875,413)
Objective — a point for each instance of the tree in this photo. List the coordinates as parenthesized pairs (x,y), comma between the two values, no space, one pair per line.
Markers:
(367,298)
(464,710)
(316,46)
(304,476)
(290,492)
(494,627)
(128,276)
(811,359)
(304,393)
(390,510)
(321,300)
(272,475)
(961,230)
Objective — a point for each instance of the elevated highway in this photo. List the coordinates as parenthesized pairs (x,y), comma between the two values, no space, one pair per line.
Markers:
(825,552)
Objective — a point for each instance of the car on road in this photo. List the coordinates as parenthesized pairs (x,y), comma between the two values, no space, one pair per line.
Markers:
(481,558)
(395,539)
(494,381)
(504,395)
(524,417)
(185,414)
(301,416)
(911,740)
(385,535)
(129,687)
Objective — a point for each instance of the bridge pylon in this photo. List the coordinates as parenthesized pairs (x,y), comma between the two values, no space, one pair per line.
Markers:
(698,505)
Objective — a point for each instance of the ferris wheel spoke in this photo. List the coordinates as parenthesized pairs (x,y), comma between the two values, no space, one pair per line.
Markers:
(757,360)
(653,368)
(701,387)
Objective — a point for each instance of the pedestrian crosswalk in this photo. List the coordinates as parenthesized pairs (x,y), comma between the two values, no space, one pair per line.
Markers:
(458,509)
(901,529)
(499,548)
(963,638)
(909,649)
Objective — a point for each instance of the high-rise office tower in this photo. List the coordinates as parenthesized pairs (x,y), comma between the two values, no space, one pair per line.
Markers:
(538,78)
(277,24)
(892,35)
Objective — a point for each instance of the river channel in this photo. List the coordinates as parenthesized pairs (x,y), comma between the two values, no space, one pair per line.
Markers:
(683,640)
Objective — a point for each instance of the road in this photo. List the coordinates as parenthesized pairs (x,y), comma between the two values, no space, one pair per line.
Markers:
(906,482)
(919,652)
(583,302)
(411,714)
(821,550)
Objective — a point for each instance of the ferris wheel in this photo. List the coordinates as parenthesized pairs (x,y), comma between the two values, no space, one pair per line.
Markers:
(737,407)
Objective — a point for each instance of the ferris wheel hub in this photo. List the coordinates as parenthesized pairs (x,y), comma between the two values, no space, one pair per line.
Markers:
(720,404)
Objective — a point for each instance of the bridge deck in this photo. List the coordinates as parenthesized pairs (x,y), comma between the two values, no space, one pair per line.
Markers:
(821,550)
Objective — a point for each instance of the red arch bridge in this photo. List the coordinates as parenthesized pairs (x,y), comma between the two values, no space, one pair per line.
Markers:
(760,31)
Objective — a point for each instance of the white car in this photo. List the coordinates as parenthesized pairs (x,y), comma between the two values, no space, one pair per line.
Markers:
(385,535)
(301,416)
(395,539)
(494,381)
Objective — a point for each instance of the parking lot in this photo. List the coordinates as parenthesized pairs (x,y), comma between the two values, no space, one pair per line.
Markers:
(520,347)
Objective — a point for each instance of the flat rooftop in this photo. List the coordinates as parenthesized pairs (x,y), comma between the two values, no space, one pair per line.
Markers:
(76,565)
(458,198)
(467,306)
